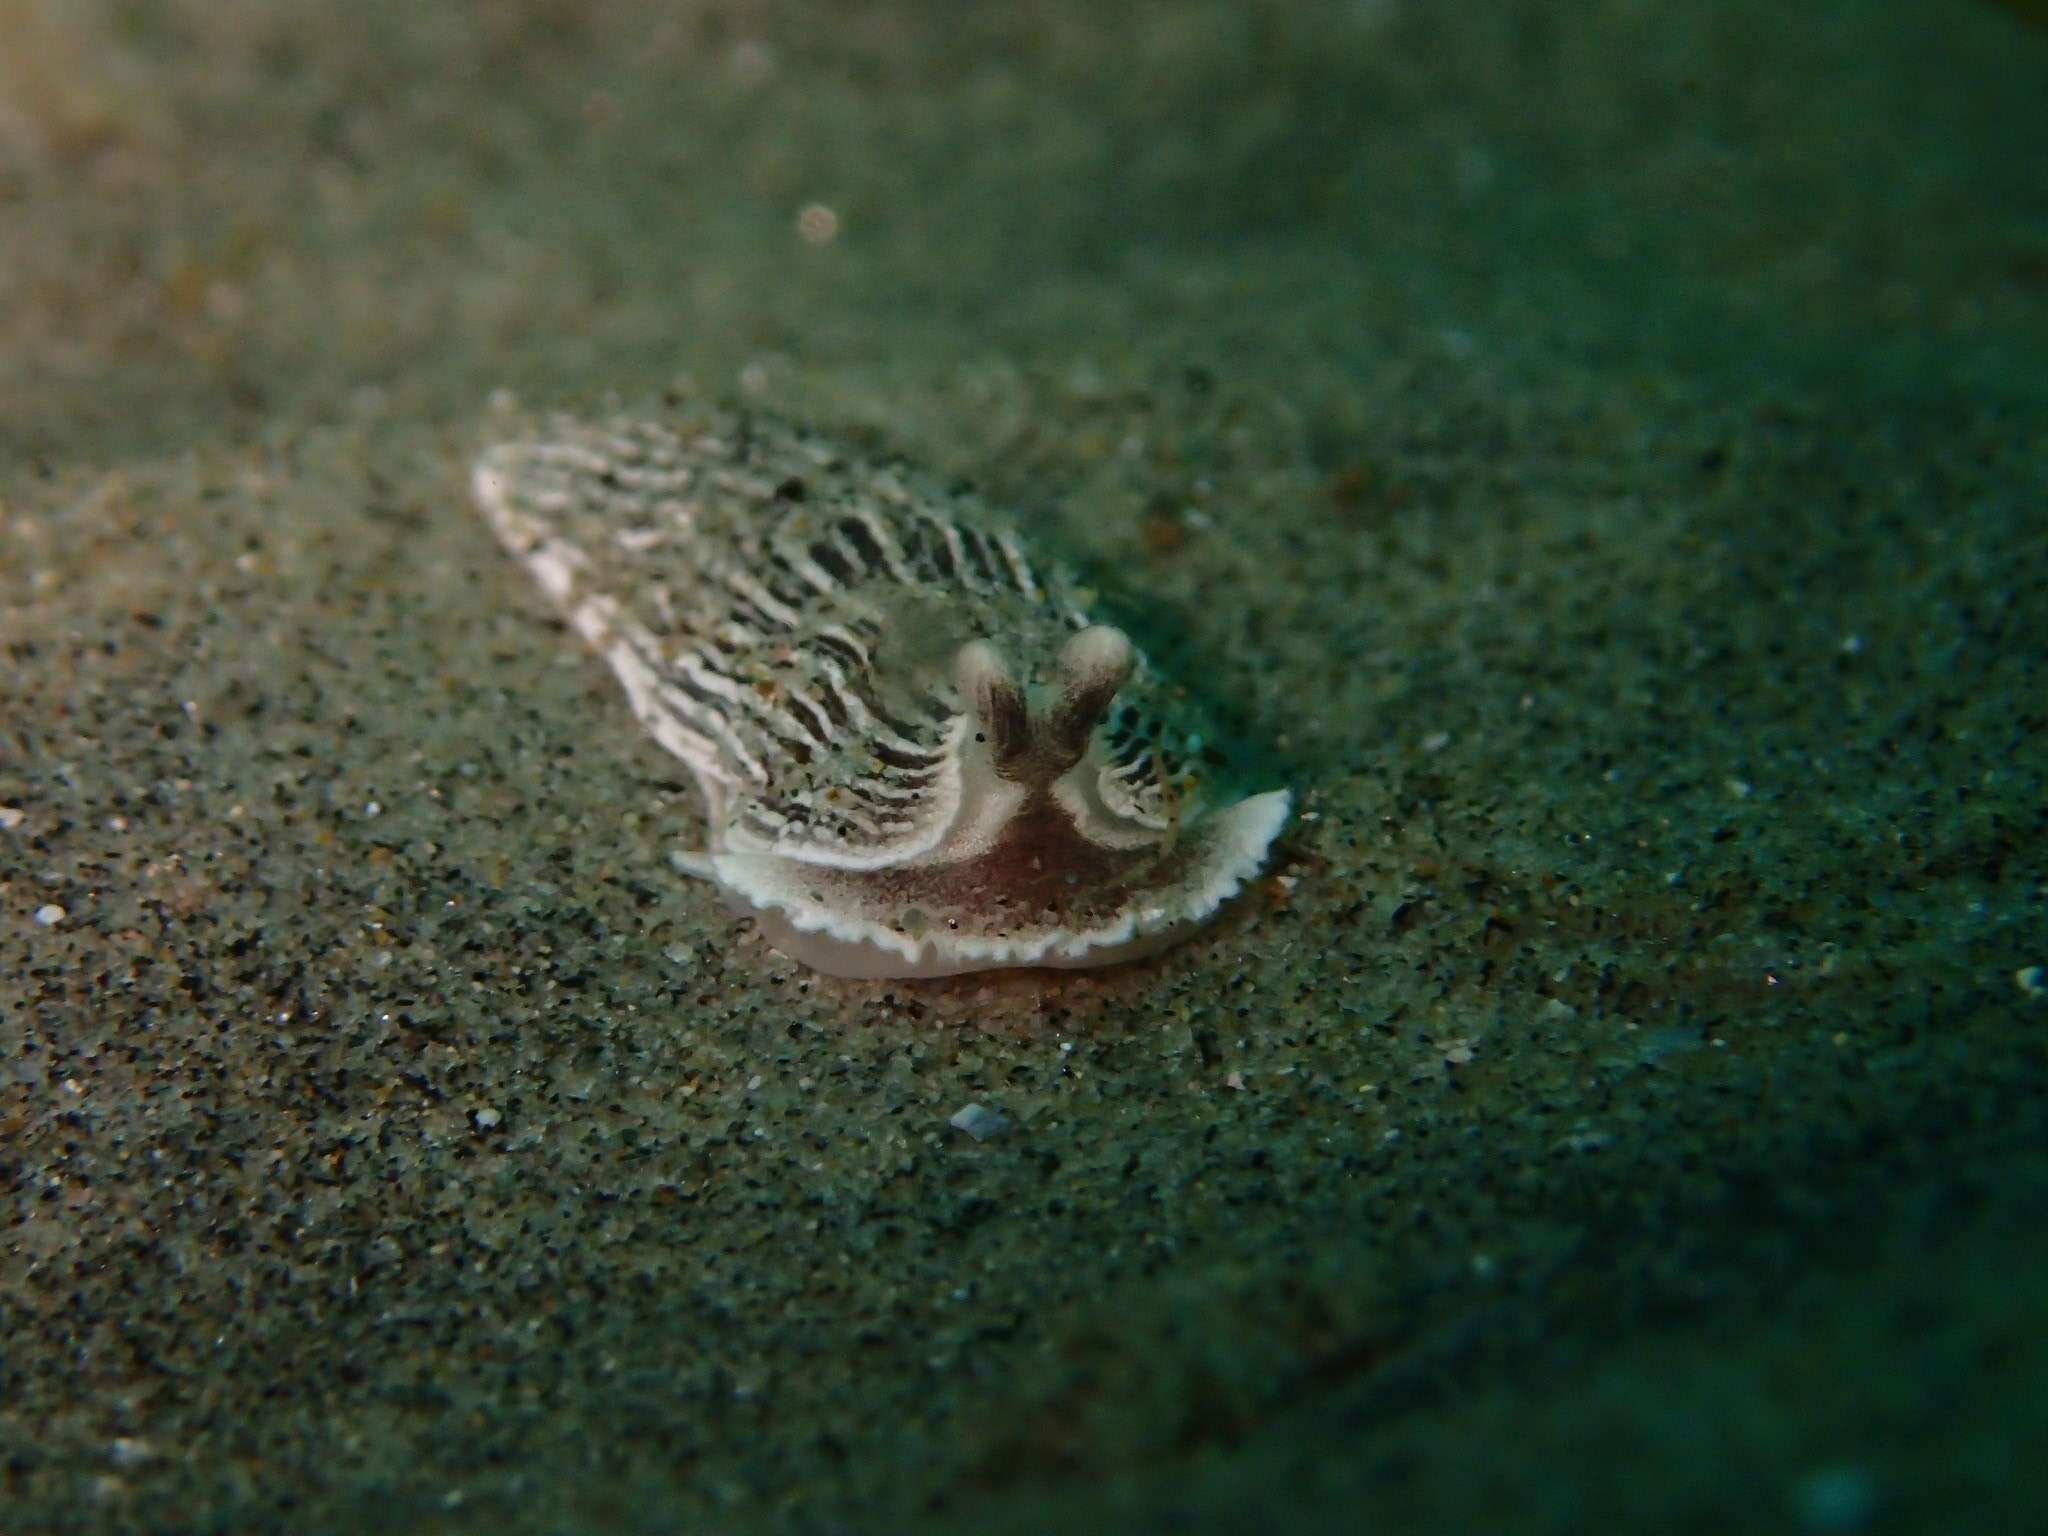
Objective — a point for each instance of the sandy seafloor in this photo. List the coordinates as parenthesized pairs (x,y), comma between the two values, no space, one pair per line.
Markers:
(1596,453)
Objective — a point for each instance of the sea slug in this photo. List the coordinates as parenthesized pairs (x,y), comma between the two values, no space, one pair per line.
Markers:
(918,753)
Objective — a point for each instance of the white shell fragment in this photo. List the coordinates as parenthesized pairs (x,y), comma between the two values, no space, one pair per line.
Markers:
(919,756)
(978,1121)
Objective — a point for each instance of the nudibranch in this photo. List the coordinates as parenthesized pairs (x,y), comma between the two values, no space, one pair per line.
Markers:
(919,755)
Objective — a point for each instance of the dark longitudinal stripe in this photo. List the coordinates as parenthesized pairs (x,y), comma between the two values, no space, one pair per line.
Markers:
(800,750)
(810,717)
(862,542)
(902,728)
(714,706)
(899,759)
(912,538)
(871,791)
(979,557)
(752,616)
(828,699)
(840,652)
(942,557)
(783,583)
(832,561)
(718,662)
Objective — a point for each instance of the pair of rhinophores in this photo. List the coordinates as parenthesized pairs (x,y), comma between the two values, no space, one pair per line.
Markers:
(919,756)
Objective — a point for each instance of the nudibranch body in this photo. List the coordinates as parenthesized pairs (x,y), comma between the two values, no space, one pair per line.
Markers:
(919,756)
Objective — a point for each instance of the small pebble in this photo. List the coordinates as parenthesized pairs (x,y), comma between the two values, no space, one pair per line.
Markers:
(487,1119)
(978,1122)
(11,816)
(817,224)
(50,914)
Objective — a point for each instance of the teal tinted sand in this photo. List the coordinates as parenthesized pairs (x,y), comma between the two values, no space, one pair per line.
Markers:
(1595,459)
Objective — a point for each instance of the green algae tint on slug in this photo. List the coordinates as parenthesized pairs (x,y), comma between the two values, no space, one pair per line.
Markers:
(919,756)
